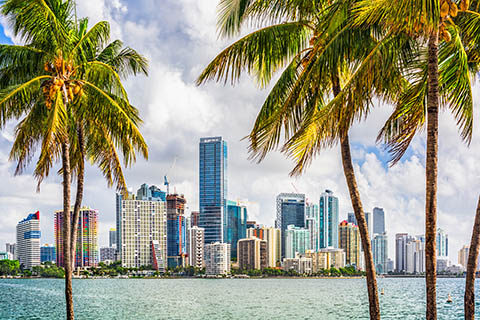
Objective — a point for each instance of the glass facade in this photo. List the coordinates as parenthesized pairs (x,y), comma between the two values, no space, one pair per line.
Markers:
(290,211)
(378,220)
(329,220)
(312,223)
(213,188)
(236,225)
(47,254)
(297,240)
(380,253)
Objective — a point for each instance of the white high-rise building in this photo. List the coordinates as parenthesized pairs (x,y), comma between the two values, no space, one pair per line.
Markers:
(217,258)
(196,243)
(442,243)
(142,228)
(312,223)
(28,241)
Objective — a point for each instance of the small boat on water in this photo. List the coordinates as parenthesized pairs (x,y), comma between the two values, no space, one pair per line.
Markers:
(449,299)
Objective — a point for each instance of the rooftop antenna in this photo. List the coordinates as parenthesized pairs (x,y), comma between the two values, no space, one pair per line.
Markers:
(165,177)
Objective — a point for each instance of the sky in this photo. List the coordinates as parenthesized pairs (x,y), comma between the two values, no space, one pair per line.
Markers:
(179,38)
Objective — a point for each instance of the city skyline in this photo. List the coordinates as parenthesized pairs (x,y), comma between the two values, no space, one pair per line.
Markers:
(216,110)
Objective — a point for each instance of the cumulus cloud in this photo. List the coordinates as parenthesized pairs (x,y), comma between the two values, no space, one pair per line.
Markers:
(179,38)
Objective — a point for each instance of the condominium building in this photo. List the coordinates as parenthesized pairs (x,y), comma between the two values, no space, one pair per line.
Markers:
(48,253)
(217,258)
(297,241)
(312,223)
(213,187)
(252,254)
(142,228)
(415,256)
(86,253)
(326,258)
(380,252)
(176,231)
(10,247)
(108,254)
(290,211)
(299,263)
(28,241)
(442,243)
(236,226)
(349,240)
(401,240)
(463,256)
(196,246)
(329,218)
(273,236)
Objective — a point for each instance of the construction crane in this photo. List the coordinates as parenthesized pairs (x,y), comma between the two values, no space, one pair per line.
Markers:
(165,177)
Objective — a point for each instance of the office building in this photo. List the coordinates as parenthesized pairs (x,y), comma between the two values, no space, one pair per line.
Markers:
(112,238)
(28,241)
(297,241)
(86,253)
(378,221)
(194,218)
(312,223)
(401,240)
(176,231)
(273,236)
(290,211)
(442,243)
(415,256)
(329,218)
(48,253)
(217,258)
(300,264)
(142,229)
(252,254)
(236,225)
(213,188)
(10,247)
(196,245)
(349,241)
(108,254)
(380,252)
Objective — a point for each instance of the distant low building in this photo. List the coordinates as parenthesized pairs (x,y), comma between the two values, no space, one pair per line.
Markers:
(326,258)
(108,253)
(455,269)
(300,264)
(217,258)
(10,247)
(5,256)
(48,253)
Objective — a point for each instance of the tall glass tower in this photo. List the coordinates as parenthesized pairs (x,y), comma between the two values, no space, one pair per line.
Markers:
(378,221)
(328,220)
(290,211)
(213,188)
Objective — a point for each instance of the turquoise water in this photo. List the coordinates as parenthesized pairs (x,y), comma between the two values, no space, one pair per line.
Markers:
(224,299)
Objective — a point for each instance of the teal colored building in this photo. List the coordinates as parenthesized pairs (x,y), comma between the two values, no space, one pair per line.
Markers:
(236,225)
(329,220)
(297,240)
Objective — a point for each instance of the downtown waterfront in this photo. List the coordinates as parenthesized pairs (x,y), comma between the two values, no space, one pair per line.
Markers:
(140,299)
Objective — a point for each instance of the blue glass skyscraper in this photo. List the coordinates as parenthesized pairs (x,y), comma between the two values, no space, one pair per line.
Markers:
(213,188)
(290,211)
(328,220)
(236,225)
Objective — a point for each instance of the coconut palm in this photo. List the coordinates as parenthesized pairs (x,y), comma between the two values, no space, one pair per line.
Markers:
(319,49)
(440,75)
(54,87)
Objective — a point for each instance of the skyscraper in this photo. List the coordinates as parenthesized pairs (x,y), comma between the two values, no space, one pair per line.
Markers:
(112,238)
(28,241)
(236,225)
(463,256)
(213,188)
(297,241)
(86,254)
(380,252)
(252,254)
(328,220)
(349,240)
(401,240)
(217,258)
(176,230)
(442,243)
(196,245)
(290,211)
(378,220)
(312,223)
(142,229)
(47,253)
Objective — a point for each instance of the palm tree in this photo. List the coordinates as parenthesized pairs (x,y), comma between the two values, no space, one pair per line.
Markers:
(440,75)
(469,302)
(319,49)
(54,86)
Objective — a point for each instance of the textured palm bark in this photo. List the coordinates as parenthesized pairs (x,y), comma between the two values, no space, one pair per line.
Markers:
(79,193)
(66,229)
(469,302)
(431,178)
(374,306)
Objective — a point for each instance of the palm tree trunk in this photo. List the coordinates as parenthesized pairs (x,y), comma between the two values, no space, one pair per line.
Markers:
(469,302)
(374,306)
(431,178)
(66,229)
(79,195)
